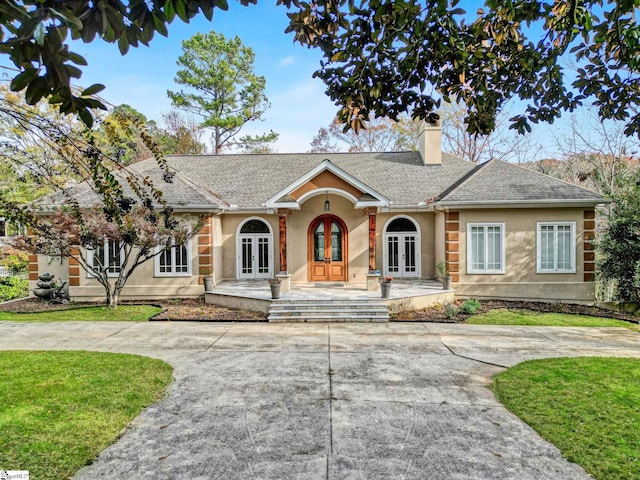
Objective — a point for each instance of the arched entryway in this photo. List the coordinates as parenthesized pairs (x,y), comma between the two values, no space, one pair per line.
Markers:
(402,247)
(327,246)
(255,249)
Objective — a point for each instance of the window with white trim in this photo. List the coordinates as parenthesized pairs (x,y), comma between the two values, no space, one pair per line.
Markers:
(109,256)
(556,247)
(174,261)
(485,248)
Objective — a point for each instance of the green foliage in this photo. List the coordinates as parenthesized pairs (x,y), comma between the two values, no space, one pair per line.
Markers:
(66,407)
(119,204)
(587,407)
(13,259)
(258,143)
(36,36)
(178,134)
(619,247)
(450,311)
(470,306)
(383,58)
(442,268)
(221,86)
(13,287)
(510,317)
(124,313)
(118,135)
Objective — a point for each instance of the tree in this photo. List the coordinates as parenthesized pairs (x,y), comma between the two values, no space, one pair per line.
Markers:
(222,88)
(619,247)
(258,143)
(180,134)
(597,155)
(117,134)
(382,58)
(109,252)
(380,135)
(119,207)
(35,35)
(501,143)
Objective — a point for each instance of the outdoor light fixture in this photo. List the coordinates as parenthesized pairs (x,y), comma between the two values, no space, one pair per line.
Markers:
(327,205)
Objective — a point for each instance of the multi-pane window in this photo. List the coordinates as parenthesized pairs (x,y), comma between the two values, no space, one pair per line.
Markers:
(108,256)
(174,261)
(485,248)
(556,248)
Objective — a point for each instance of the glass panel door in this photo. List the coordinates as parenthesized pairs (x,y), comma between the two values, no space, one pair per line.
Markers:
(393,251)
(247,257)
(409,254)
(402,255)
(255,256)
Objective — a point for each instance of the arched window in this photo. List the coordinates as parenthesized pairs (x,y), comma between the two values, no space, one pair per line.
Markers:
(255,226)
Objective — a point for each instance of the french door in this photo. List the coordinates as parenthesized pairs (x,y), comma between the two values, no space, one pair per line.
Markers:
(402,255)
(254,256)
(327,250)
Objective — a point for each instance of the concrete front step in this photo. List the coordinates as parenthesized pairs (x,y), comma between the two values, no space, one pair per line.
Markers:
(328,311)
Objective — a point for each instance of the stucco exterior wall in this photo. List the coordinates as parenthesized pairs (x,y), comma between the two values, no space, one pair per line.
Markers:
(520,280)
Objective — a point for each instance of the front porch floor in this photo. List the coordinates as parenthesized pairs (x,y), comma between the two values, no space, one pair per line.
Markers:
(256,294)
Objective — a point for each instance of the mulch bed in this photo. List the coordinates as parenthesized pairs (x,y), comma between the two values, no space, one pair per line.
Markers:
(175,309)
(438,314)
(195,309)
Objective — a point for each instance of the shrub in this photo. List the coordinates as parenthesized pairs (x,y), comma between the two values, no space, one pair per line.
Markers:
(450,311)
(14,260)
(13,287)
(470,306)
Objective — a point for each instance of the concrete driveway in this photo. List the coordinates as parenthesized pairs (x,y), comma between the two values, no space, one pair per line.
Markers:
(339,401)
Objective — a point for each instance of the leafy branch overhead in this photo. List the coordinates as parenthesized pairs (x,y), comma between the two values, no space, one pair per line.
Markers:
(381,57)
(386,57)
(36,35)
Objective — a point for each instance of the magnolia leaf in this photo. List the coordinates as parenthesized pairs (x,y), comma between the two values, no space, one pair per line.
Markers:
(92,90)
(23,79)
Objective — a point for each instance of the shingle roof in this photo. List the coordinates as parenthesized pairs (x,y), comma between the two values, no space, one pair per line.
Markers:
(248,181)
(182,192)
(496,181)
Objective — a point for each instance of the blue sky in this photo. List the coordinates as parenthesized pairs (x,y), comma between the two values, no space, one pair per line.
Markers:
(142,77)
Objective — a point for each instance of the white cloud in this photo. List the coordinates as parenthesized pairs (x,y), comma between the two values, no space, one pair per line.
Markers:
(286,61)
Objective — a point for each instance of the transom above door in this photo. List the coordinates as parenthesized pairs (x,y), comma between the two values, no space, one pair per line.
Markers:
(255,249)
(327,245)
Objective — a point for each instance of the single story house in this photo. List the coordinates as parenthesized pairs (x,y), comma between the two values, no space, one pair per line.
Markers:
(503,231)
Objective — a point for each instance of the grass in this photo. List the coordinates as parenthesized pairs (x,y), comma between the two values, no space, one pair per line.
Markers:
(58,410)
(510,317)
(128,313)
(588,407)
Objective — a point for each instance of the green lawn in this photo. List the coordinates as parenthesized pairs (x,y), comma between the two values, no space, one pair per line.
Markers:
(588,407)
(509,317)
(128,313)
(58,410)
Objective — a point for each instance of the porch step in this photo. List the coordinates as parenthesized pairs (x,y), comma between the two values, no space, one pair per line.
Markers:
(328,311)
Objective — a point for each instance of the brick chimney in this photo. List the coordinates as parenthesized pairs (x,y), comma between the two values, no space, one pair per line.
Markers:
(430,143)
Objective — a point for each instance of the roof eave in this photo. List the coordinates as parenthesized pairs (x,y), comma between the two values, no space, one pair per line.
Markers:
(565,203)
